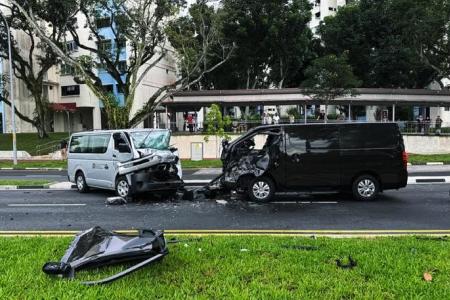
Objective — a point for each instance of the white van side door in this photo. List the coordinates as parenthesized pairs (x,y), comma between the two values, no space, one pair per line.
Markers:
(101,162)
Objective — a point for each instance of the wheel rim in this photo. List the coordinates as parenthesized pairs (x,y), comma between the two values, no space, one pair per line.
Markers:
(366,188)
(80,182)
(122,188)
(261,190)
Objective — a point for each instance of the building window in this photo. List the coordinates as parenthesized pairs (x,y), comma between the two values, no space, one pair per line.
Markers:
(70,90)
(71,46)
(103,22)
(67,70)
(108,88)
(104,45)
(122,66)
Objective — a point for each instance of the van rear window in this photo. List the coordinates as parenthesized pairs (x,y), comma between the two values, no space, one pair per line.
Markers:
(368,136)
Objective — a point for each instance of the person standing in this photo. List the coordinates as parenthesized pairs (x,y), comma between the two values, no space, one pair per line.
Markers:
(419,121)
(438,125)
(264,119)
(427,124)
(269,119)
(276,119)
(291,119)
(190,120)
(63,146)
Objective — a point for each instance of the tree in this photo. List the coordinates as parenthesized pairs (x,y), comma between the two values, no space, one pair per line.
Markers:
(141,27)
(32,61)
(273,44)
(216,124)
(330,77)
(391,44)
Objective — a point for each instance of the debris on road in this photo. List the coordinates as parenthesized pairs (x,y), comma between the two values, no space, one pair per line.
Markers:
(98,247)
(223,202)
(350,265)
(116,201)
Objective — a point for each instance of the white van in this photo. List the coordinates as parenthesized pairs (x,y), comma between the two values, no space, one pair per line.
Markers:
(128,161)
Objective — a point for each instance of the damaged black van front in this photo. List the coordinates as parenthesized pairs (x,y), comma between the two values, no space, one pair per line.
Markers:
(251,161)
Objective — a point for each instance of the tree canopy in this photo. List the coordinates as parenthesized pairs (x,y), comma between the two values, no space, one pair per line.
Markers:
(401,43)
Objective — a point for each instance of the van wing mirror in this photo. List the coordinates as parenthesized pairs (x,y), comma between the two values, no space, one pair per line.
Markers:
(124,148)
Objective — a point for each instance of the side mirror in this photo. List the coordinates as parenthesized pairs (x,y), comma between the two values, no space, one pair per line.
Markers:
(224,143)
(124,148)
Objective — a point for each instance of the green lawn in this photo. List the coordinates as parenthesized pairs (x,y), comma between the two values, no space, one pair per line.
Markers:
(29,141)
(207,163)
(419,159)
(35,164)
(216,268)
(28,182)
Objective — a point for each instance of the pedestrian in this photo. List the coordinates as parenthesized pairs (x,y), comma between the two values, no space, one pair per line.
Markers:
(264,119)
(190,120)
(276,119)
(427,124)
(63,147)
(419,122)
(438,124)
(269,119)
(321,115)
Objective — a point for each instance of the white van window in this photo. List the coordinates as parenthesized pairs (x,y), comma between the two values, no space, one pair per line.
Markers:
(79,144)
(157,139)
(90,143)
(99,143)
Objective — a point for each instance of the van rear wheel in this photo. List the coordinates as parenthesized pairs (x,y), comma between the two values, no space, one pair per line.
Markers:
(365,188)
(261,189)
(80,181)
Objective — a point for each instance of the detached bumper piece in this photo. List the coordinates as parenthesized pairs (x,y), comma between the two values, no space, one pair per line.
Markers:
(97,247)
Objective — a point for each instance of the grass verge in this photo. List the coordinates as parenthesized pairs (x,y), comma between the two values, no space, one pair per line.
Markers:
(217,268)
(35,164)
(29,141)
(207,163)
(27,182)
(420,159)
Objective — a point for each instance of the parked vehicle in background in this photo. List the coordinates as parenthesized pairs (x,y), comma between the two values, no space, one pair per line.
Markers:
(364,158)
(127,161)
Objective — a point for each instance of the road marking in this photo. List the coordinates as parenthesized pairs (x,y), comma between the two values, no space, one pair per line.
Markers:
(428,179)
(305,202)
(212,171)
(197,181)
(45,204)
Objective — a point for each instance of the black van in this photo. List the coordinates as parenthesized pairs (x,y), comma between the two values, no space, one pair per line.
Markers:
(364,158)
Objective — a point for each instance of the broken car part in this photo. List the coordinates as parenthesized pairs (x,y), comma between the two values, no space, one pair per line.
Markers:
(98,247)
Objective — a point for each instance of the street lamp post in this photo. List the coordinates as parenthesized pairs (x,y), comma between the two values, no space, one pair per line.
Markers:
(11,91)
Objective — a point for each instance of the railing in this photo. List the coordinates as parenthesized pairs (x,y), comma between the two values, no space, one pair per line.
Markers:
(406,127)
(49,147)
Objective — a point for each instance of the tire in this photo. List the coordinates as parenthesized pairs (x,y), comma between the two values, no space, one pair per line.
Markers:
(80,182)
(122,187)
(365,188)
(261,189)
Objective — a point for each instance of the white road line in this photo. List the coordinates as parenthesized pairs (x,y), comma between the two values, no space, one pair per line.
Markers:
(46,204)
(305,202)
(198,181)
(442,179)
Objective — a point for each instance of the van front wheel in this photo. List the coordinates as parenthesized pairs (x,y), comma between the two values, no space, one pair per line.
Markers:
(122,187)
(261,189)
(80,181)
(365,188)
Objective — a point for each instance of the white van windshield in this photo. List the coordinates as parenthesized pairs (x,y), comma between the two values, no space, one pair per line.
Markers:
(156,139)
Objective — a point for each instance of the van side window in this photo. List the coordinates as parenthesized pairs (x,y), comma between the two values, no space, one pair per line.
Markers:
(323,137)
(368,136)
(79,144)
(99,143)
(295,140)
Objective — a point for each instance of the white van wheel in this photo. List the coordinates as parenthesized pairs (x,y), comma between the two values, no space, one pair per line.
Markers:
(122,187)
(80,181)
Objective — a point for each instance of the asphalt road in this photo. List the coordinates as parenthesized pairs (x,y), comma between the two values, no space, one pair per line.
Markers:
(419,206)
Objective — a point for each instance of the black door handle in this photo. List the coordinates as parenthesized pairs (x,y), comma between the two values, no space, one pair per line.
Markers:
(114,155)
(106,167)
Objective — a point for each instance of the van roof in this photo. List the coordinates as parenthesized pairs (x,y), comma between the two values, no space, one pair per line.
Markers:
(118,130)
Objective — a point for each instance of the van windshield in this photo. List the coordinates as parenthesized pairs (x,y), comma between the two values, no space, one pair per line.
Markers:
(156,139)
